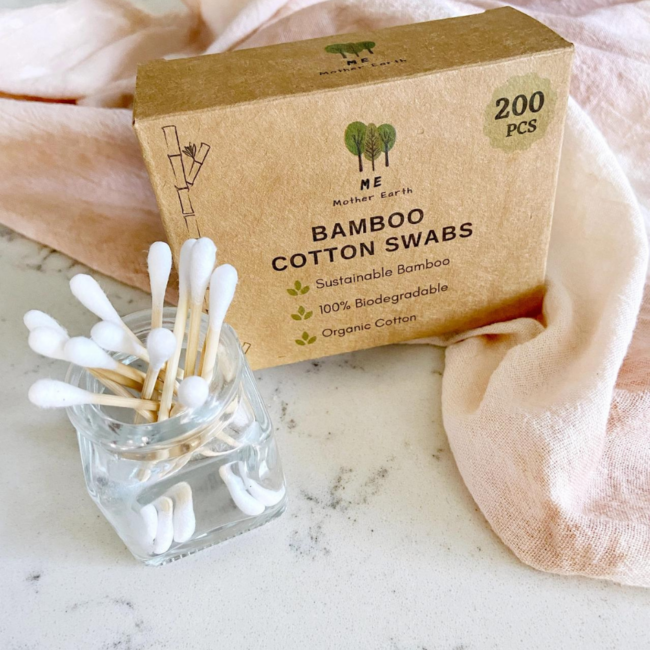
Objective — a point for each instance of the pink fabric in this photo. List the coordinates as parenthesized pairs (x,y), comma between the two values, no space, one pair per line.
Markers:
(548,419)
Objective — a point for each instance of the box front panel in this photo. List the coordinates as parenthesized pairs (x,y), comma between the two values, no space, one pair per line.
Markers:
(375,214)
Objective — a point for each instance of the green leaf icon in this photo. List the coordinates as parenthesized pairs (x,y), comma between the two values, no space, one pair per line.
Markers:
(305,339)
(292,292)
(297,285)
(296,316)
(309,314)
(304,290)
(301,310)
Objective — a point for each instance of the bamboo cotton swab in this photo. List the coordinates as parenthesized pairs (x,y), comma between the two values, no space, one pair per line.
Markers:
(159,262)
(88,292)
(35,318)
(193,392)
(79,351)
(248,504)
(179,327)
(50,393)
(120,390)
(222,290)
(86,353)
(114,338)
(165,528)
(161,345)
(202,263)
(49,342)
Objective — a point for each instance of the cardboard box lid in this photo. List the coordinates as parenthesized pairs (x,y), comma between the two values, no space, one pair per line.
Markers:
(215,81)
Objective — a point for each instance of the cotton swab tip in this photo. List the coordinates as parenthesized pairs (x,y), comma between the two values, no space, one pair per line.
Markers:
(161,345)
(184,265)
(193,392)
(223,284)
(159,262)
(88,292)
(50,393)
(115,338)
(35,318)
(86,353)
(48,342)
(203,259)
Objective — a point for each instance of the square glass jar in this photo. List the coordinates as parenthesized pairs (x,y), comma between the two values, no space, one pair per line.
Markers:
(174,487)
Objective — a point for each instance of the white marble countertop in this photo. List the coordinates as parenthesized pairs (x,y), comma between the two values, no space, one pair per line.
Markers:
(381,545)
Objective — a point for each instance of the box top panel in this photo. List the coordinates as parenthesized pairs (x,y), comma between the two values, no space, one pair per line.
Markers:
(334,62)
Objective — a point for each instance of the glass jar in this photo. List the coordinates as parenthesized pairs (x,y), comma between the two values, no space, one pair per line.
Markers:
(174,487)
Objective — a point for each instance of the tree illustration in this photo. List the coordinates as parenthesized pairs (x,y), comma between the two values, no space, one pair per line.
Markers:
(338,48)
(366,45)
(353,48)
(372,148)
(387,137)
(355,140)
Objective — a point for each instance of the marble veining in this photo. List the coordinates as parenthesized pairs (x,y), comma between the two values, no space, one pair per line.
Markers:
(381,546)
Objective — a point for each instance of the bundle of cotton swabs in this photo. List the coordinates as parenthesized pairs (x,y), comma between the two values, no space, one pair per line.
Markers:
(165,389)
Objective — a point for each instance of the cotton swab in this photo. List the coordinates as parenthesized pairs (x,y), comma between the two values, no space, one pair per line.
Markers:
(51,343)
(111,336)
(193,392)
(50,393)
(223,284)
(35,318)
(184,519)
(119,389)
(86,353)
(264,495)
(159,262)
(179,327)
(161,345)
(165,530)
(149,516)
(88,292)
(202,263)
(170,518)
(248,504)
(48,342)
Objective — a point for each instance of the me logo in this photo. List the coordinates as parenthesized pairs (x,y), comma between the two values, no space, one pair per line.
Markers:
(355,49)
(370,142)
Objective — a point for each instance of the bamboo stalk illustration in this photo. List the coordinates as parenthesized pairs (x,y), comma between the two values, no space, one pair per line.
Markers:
(176,161)
(197,161)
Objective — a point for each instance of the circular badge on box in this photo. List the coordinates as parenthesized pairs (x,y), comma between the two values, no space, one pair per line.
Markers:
(519,112)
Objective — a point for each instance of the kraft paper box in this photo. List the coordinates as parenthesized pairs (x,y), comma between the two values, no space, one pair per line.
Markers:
(369,188)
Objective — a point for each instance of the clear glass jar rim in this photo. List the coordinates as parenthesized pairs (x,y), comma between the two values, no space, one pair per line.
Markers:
(93,422)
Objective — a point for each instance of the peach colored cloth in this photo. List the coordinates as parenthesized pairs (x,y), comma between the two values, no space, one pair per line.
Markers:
(549,421)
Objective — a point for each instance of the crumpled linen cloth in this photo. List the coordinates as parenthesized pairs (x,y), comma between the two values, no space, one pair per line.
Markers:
(548,418)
